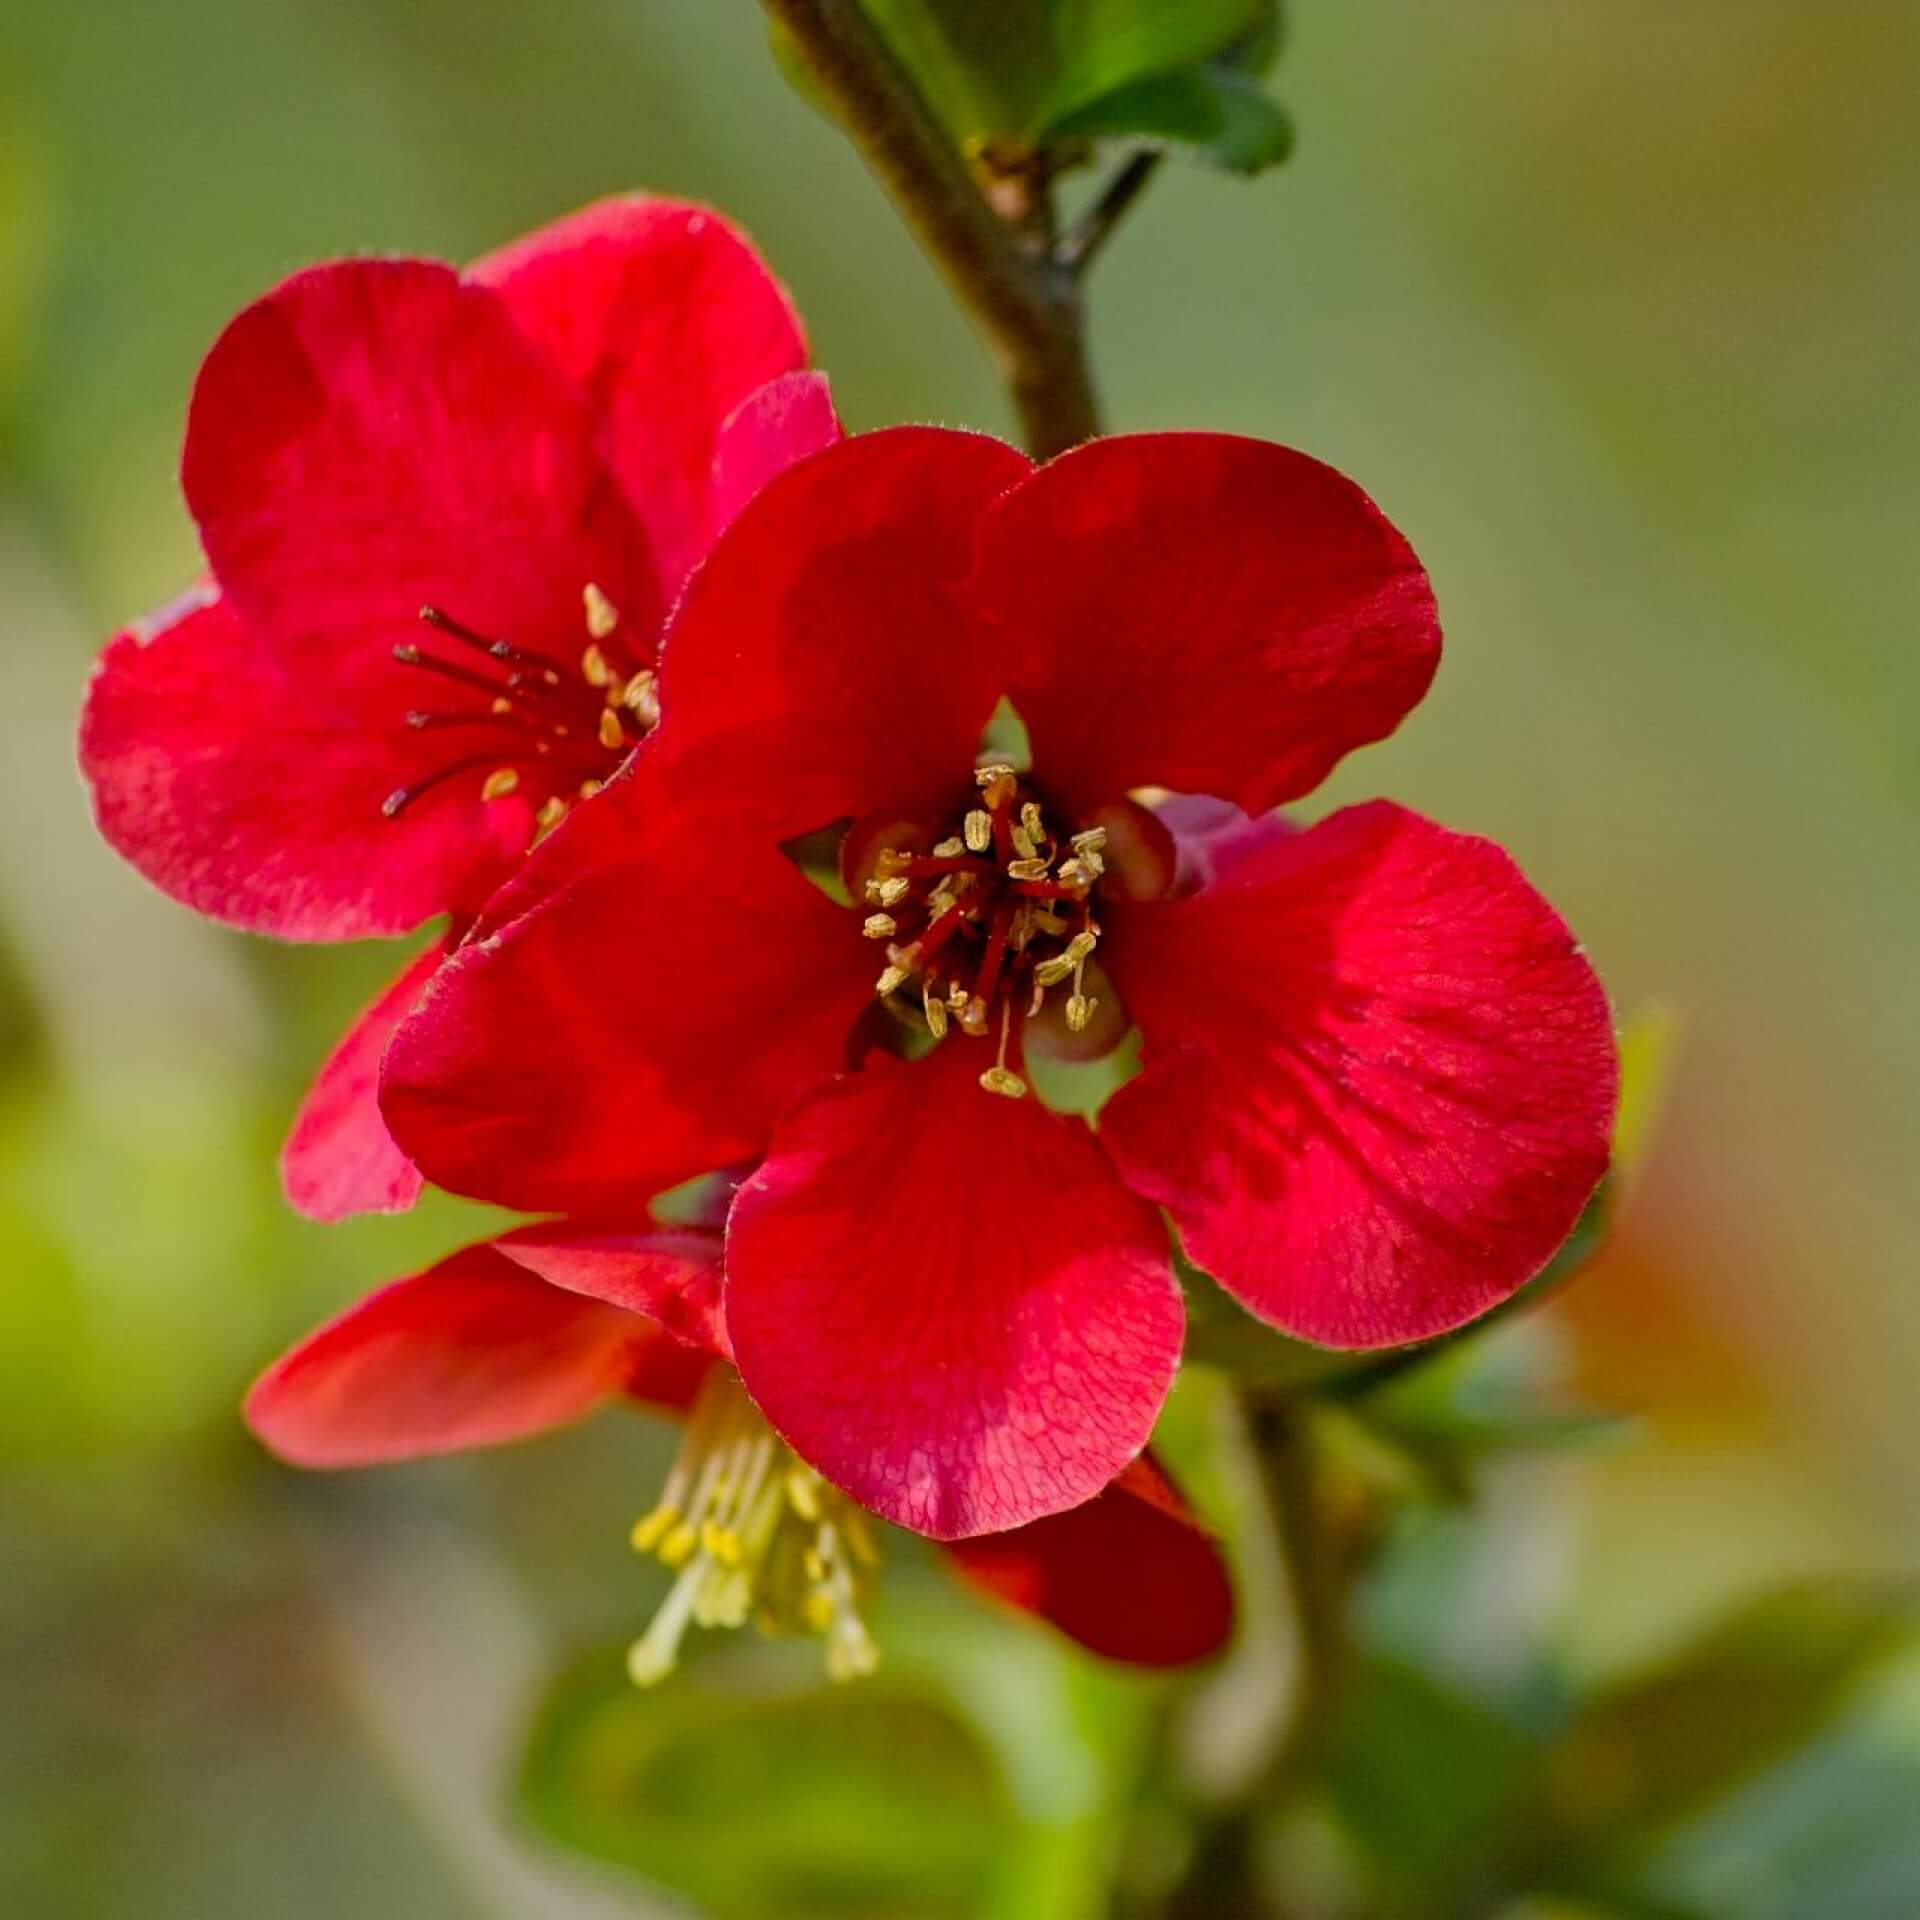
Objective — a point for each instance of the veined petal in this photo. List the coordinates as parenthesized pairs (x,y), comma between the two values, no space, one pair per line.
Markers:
(1131,1574)
(339,1159)
(1380,1077)
(647,1022)
(670,1275)
(251,791)
(665,319)
(822,664)
(945,1302)
(1201,612)
(472,1352)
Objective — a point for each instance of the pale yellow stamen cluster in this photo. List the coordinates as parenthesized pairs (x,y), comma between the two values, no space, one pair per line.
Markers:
(1034,855)
(753,1534)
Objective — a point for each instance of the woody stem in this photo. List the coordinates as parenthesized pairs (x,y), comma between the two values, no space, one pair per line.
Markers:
(1020,296)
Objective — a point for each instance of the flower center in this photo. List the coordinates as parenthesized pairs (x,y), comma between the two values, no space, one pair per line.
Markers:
(754,1534)
(556,731)
(990,920)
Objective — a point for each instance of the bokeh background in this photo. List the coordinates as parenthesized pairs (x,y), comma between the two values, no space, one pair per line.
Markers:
(1613,308)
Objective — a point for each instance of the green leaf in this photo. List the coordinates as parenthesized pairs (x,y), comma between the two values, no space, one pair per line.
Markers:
(1005,71)
(1766,1680)
(1423,1779)
(1213,113)
(759,1801)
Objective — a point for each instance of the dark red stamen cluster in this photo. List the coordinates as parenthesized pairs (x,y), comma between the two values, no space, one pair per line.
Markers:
(568,727)
(1001,912)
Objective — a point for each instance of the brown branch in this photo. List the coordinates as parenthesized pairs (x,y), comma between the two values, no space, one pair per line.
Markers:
(1092,231)
(1023,304)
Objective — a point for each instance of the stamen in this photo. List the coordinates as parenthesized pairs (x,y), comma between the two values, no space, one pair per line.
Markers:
(602,616)
(593,663)
(946,849)
(880,926)
(752,1534)
(552,811)
(444,622)
(978,828)
(936,1013)
(499,784)
(892,979)
(1000,1078)
(613,735)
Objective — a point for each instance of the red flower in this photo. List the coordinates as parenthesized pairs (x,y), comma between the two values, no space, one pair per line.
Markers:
(444,515)
(1378,1077)
(536,1329)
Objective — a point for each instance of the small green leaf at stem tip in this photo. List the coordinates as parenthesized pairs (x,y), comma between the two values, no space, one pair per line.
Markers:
(1213,113)
(1004,71)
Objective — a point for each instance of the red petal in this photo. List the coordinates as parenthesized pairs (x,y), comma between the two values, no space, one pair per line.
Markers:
(374,437)
(772,429)
(645,1024)
(1201,612)
(470,1353)
(669,1274)
(249,787)
(666,319)
(1380,1077)
(1214,836)
(944,1300)
(339,1159)
(1131,1575)
(822,663)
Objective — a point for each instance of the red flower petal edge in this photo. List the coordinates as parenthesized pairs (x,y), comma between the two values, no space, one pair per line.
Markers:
(1131,1575)
(946,1303)
(1380,1077)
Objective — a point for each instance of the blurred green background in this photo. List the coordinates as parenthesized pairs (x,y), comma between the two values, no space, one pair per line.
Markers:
(1612,307)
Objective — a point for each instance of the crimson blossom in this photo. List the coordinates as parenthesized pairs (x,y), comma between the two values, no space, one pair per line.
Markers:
(444,515)
(1377,1076)
(530,1331)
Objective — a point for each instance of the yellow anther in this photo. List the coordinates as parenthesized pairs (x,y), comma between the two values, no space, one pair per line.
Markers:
(888,893)
(1082,944)
(803,1494)
(936,1013)
(677,1548)
(973,1016)
(819,1610)
(816,1565)
(978,828)
(891,980)
(1091,841)
(602,615)
(951,848)
(588,788)
(1049,973)
(1023,844)
(503,705)
(499,784)
(552,811)
(641,698)
(880,926)
(1030,819)
(957,997)
(1035,869)
(651,1528)
(612,733)
(1080,1009)
(1000,1080)
(721,1542)
(991,775)
(1075,873)
(594,668)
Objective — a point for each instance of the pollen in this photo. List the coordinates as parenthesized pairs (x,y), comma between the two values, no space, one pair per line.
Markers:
(880,926)
(752,1533)
(593,667)
(602,615)
(499,783)
(978,830)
